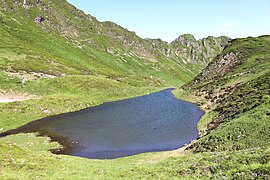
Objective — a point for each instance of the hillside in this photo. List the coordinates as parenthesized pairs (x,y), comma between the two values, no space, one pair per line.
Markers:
(235,82)
(234,90)
(57,59)
(55,32)
(65,60)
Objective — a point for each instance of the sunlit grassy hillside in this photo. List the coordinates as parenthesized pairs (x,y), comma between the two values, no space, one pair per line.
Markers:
(63,60)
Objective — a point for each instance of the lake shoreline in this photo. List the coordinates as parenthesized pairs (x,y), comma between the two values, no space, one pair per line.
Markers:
(67,144)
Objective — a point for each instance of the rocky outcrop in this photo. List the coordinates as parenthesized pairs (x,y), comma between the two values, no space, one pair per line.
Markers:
(219,67)
(189,50)
(39,19)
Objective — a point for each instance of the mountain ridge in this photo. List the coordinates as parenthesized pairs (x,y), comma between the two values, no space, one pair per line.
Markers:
(85,31)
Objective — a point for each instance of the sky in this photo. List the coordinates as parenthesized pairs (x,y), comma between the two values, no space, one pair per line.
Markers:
(167,19)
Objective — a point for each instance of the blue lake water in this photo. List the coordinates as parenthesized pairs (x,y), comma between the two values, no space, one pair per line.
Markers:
(150,123)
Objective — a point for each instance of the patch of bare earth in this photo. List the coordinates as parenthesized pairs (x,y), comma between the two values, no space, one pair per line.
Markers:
(25,76)
(159,156)
(6,97)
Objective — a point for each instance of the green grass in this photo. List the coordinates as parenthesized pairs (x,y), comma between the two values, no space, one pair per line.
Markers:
(237,149)
(250,130)
(63,94)
(236,105)
(25,156)
(75,51)
(76,45)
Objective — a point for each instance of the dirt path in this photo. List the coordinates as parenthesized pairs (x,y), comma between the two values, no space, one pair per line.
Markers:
(13,97)
(6,100)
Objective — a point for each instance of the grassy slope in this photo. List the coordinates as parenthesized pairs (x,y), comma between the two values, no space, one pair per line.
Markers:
(237,102)
(95,77)
(34,46)
(227,92)
(85,77)
(25,156)
(73,47)
(64,94)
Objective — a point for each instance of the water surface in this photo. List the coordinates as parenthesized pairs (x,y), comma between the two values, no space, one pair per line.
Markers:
(155,122)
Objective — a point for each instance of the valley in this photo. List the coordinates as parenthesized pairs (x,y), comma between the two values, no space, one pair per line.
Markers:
(56,59)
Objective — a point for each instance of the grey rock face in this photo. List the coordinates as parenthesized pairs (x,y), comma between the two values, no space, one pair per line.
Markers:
(39,19)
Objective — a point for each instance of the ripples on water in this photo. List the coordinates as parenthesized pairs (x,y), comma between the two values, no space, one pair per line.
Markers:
(155,122)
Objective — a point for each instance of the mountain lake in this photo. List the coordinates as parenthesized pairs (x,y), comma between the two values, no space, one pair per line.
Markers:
(151,123)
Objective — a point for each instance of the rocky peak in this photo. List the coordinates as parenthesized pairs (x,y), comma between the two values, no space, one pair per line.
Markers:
(202,51)
(185,40)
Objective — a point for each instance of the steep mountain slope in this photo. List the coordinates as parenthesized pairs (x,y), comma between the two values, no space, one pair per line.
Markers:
(234,90)
(236,81)
(76,43)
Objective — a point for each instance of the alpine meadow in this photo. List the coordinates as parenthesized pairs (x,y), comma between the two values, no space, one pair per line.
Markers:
(55,59)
